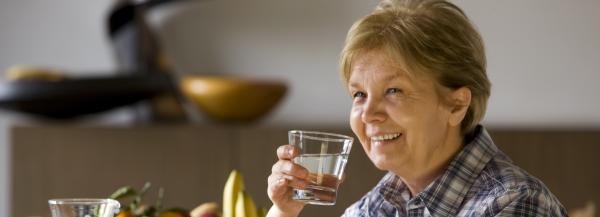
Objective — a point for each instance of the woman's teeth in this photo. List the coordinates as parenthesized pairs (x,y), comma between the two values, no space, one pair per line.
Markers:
(386,137)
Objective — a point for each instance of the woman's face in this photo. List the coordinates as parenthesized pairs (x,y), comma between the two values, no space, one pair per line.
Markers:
(400,120)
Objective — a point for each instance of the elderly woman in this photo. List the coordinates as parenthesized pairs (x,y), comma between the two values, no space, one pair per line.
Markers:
(416,73)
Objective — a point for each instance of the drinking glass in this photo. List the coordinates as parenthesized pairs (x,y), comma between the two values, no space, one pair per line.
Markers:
(83,207)
(325,156)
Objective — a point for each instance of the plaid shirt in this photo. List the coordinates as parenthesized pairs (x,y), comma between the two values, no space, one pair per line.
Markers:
(480,181)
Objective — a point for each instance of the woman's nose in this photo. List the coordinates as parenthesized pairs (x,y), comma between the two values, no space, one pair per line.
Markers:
(373,111)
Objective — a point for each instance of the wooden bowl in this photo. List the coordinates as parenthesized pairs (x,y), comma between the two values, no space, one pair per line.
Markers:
(233,99)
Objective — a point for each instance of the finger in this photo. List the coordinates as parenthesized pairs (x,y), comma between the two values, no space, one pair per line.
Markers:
(287,152)
(277,187)
(296,182)
(281,185)
(289,168)
(290,181)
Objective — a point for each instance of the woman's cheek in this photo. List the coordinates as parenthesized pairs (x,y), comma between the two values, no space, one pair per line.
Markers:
(355,115)
(356,122)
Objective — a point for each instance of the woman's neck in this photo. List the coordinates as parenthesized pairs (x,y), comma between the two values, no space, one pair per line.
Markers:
(418,180)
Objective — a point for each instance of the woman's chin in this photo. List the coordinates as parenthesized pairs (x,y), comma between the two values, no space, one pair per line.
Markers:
(387,161)
(382,167)
(381,162)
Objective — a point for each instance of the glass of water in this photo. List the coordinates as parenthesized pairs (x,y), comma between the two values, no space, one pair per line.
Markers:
(83,207)
(324,155)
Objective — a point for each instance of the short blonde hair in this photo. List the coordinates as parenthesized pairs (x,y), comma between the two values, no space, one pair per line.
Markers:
(432,38)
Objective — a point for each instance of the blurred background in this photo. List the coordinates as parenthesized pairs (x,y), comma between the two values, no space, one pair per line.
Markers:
(542,60)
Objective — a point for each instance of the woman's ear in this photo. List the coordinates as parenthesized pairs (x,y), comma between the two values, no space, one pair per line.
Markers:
(460,99)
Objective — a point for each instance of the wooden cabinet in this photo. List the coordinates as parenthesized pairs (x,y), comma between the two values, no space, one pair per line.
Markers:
(192,163)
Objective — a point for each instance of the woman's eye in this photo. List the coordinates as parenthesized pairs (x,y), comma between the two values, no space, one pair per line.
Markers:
(393,90)
(358,94)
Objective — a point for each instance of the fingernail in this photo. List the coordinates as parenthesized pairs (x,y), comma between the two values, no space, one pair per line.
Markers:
(291,152)
(281,181)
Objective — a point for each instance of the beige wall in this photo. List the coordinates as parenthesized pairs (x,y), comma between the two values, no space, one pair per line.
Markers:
(543,58)
(542,54)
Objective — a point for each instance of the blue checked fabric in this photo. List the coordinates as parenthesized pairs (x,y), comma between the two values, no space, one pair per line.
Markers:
(480,181)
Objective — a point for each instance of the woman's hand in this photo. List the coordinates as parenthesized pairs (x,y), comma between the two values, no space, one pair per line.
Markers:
(285,176)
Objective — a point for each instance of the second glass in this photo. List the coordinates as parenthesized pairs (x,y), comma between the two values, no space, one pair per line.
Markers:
(84,207)
(325,156)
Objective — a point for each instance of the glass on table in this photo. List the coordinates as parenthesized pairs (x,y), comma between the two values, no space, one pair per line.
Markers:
(83,207)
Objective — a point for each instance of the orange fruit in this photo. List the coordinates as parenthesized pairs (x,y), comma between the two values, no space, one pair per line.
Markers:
(124,214)
(173,213)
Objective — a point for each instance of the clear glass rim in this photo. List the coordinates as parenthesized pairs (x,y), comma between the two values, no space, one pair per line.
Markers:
(318,135)
(87,201)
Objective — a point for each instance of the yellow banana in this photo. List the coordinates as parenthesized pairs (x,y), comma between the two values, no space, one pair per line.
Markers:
(233,186)
(244,206)
(262,212)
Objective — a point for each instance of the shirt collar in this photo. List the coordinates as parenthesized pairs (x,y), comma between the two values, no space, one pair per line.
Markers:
(393,190)
(444,196)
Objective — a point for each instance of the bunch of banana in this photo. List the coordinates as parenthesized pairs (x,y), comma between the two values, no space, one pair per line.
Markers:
(236,202)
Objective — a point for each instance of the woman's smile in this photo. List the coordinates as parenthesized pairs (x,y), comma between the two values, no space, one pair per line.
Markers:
(385,139)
